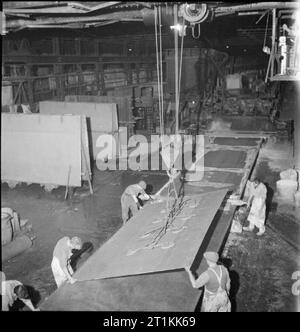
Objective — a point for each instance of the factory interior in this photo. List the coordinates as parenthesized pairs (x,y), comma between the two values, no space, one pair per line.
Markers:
(196,104)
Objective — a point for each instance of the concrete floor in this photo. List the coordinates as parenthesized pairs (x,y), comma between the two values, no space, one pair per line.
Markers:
(261,268)
(94,218)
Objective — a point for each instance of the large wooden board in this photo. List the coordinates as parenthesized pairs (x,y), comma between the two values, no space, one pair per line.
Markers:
(40,148)
(124,107)
(129,251)
(101,119)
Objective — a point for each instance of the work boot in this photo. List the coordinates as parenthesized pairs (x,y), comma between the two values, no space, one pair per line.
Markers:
(261,231)
(250,229)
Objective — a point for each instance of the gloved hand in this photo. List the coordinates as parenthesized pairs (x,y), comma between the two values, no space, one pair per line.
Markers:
(72,280)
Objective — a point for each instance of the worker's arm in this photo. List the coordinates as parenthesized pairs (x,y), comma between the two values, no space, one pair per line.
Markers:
(68,275)
(29,304)
(144,196)
(64,266)
(136,201)
(200,281)
(228,282)
(250,199)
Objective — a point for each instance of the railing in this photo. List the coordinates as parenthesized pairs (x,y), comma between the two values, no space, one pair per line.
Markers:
(31,90)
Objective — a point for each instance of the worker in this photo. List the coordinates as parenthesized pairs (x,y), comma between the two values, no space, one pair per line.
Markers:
(62,253)
(11,291)
(217,285)
(130,199)
(257,204)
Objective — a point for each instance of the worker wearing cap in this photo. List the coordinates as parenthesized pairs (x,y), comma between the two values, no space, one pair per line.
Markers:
(12,290)
(129,199)
(62,253)
(217,285)
(257,203)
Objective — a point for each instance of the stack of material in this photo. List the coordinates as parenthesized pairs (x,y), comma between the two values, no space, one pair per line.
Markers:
(263,106)
(231,105)
(246,106)
(16,235)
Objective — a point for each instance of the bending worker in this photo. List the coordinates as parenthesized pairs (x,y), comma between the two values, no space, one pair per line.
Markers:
(62,253)
(11,291)
(129,199)
(217,285)
(257,201)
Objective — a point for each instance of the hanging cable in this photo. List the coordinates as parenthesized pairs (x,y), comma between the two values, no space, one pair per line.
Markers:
(176,68)
(158,70)
(181,56)
(266,30)
(161,71)
(193,31)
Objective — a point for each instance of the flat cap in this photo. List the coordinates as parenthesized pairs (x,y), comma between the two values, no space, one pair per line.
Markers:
(211,256)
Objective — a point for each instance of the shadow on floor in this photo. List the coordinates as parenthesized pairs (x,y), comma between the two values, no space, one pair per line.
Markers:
(269,199)
(234,281)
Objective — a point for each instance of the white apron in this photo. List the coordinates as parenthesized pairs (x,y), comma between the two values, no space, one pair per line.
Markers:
(59,275)
(218,301)
(257,214)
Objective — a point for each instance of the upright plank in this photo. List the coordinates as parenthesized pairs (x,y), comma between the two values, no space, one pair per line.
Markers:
(41,148)
(101,119)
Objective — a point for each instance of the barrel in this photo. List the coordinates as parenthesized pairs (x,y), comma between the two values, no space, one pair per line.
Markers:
(289,174)
(6,228)
(286,189)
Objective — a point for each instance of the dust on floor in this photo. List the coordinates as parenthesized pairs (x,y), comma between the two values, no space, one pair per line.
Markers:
(93,218)
(262,267)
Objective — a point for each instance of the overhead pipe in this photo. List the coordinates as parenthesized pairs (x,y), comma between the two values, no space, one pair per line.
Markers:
(258,6)
(61,20)
(166,16)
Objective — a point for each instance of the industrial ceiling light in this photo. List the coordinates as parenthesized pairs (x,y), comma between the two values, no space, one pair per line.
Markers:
(180,28)
(266,50)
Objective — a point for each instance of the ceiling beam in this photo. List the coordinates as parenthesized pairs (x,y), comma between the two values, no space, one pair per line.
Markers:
(257,6)
(103,5)
(50,10)
(135,14)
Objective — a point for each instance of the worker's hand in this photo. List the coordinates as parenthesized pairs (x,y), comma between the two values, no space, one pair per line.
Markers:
(188,269)
(72,280)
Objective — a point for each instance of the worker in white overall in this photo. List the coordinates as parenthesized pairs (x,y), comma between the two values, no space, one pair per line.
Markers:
(60,265)
(217,285)
(257,201)
(129,199)
(12,290)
